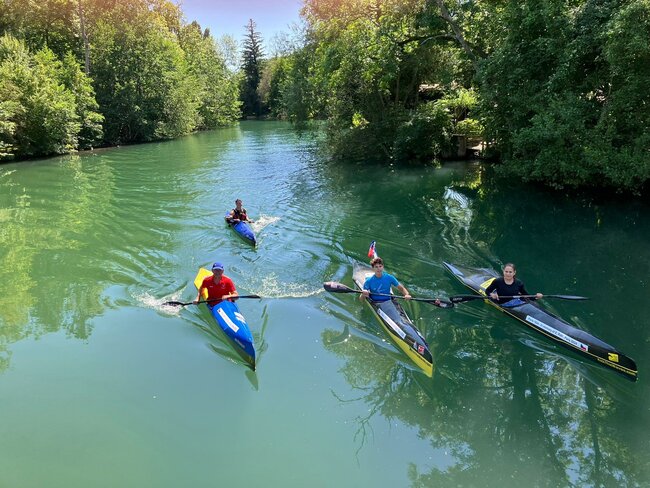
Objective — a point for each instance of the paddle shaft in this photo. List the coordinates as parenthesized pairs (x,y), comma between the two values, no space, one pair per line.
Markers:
(334,287)
(210,301)
(466,298)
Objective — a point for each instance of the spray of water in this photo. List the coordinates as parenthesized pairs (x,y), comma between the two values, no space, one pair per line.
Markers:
(263,221)
(150,301)
(269,286)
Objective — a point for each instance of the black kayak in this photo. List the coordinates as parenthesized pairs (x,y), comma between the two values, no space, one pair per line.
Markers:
(548,324)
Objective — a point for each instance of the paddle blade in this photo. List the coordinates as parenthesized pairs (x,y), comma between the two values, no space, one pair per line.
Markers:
(566,297)
(176,304)
(434,301)
(335,287)
(444,304)
(465,298)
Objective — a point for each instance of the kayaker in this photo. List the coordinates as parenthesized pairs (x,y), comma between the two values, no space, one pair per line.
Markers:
(219,286)
(238,214)
(507,286)
(382,282)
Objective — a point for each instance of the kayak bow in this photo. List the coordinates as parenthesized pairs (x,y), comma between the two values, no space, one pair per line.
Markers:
(548,324)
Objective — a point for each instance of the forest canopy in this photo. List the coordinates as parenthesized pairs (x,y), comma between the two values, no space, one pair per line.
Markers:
(553,90)
(82,73)
(556,89)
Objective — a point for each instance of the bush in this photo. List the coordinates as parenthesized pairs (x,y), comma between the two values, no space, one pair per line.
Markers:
(425,136)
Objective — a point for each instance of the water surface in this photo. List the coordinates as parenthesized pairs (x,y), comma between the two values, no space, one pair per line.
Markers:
(100,385)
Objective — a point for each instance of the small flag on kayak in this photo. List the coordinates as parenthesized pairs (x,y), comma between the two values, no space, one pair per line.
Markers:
(371,251)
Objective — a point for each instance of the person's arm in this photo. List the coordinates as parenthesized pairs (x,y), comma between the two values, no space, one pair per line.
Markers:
(404,291)
(245,217)
(523,291)
(492,290)
(198,294)
(229,217)
(232,292)
(365,293)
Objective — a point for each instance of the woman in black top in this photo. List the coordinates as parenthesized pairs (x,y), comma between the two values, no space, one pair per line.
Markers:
(508,286)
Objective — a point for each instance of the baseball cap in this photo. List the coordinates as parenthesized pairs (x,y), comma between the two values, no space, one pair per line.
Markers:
(217,265)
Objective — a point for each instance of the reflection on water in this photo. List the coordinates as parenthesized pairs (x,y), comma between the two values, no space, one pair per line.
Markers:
(88,242)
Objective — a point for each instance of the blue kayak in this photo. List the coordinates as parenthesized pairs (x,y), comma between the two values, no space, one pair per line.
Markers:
(243,229)
(232,322)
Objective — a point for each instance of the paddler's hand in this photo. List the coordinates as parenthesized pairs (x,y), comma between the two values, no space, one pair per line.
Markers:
(365,293)
(538,296)
(494,295)
(407,297)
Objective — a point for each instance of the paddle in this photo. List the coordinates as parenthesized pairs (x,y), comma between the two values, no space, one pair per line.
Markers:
(467,298)
(208,301)
(335,287)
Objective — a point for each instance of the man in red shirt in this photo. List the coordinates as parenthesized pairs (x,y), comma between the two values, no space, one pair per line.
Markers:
(219,286)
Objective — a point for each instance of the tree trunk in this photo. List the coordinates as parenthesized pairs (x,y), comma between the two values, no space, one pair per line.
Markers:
(458,34)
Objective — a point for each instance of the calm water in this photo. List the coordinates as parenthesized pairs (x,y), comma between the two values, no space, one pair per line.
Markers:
(100,385)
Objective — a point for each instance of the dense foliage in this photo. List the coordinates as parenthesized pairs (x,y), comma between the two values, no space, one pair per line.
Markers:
(556,88)
(80,73)
(563,93)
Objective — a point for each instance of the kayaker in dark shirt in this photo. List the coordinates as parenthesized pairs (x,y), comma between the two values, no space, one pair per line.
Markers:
(508,286)
(238,214)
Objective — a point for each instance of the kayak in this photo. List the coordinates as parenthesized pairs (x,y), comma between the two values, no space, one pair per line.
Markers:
(231,321)
(548,324)
(243,230)
(405,335)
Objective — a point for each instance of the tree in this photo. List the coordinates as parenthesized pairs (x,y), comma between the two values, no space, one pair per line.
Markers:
(46,103)
(564,96)
(252,60)
(143,83)
(218,88)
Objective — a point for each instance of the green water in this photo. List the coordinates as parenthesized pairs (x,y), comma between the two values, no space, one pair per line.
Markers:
(101,386)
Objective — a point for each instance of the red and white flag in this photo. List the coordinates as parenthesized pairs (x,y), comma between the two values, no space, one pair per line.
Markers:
(371,251)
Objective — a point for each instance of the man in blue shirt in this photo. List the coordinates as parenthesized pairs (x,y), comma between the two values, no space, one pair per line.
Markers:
(381,282)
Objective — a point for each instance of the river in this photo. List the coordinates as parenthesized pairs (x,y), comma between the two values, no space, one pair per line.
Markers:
(103,386)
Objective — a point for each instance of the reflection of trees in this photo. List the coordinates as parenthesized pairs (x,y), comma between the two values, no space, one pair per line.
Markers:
(506,414)
(516,411)
(43,243)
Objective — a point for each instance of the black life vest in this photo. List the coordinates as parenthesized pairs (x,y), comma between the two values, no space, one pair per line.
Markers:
(241,215)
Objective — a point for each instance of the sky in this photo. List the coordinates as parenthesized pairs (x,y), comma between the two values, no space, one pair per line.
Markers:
(230,16)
